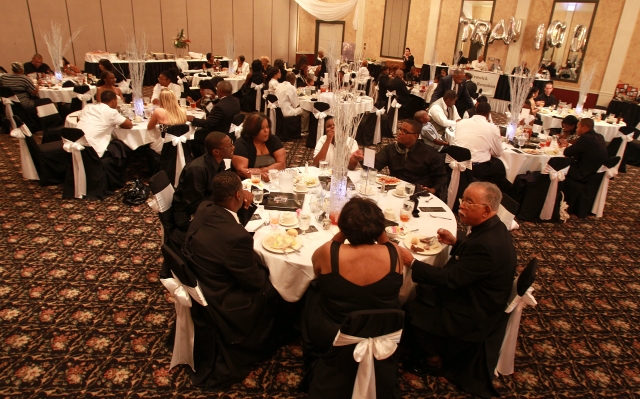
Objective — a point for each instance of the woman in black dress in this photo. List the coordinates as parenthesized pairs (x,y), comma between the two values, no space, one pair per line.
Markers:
(364,274)
(257,148)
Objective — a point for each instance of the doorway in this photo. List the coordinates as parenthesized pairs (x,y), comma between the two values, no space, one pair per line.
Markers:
(329,36)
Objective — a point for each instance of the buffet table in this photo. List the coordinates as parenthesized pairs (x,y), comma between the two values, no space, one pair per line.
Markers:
(291,274)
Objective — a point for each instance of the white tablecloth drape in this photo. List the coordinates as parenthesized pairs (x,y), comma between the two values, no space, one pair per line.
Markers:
(365,104)
(236,81)
(63,94)
(517,164)
(607,130)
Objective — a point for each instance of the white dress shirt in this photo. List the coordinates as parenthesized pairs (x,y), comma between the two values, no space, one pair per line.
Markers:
(481,66)
(439,111)
(480,137)
(273,85)
(362,75)
(172,86)
(288,99)
(244,69)
(329,158)
(97,121)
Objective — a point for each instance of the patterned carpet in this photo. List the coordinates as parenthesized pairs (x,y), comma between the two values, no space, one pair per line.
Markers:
(82,313)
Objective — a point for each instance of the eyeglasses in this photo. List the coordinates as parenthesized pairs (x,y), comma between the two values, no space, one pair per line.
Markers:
(466,202)
(402,131)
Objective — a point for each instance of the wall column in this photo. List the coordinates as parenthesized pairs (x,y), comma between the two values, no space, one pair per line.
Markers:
(513,56)
(432,33)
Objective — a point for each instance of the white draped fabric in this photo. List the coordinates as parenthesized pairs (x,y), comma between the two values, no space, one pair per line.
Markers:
(623,146)
(555,176)
(320,117)
(258,89)
(85,98)
(456,168)
(397,106)
(177,141)
(79,176)
(8,111)
(601,197)
(161,202)
(390,95)
(236,130)
(26,162)
(272,115)
(507,218)
(183,342)
(377,133)
(330,11)
(366,349)
(508,349)
(46,110)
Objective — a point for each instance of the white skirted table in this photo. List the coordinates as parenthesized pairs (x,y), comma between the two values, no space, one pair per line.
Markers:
(365,104)
(526,160)
(62,94)
(236,81)
(292,274)
(551,119)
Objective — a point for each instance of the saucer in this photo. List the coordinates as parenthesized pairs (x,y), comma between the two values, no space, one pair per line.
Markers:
(395,194)
(287,224)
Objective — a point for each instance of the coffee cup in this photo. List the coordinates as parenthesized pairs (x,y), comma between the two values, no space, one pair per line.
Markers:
(301,187)
(400,189)
(389,214)
(288,218)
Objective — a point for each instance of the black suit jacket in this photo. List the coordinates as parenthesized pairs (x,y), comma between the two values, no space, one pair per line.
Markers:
(589,153)
(463,60)
(464,101)
(220,253)
(383,81)
(219,119)
(472,88)
(467,297)
(403,95)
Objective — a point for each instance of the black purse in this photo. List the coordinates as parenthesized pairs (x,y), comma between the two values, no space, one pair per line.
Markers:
(136,193)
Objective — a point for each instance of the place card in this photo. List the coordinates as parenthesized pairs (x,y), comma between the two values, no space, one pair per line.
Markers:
(432,209)
(369,158)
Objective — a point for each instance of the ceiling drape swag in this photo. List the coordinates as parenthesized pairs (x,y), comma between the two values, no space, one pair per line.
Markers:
(330,11)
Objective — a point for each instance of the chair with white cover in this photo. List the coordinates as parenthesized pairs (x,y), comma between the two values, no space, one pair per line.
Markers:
(374,126)
(44,162)
(236,127)
(458,160)
(608,170)
(542,197)
(286,127)
(394,112)
(617,147)
(316,123)
(11,105)
(521,296)
(176,152)
(52,122)
(363,362)
(86,175)
(183,286)
(582,197)
(82,97)
(162,198)
(507,212)
(271,107)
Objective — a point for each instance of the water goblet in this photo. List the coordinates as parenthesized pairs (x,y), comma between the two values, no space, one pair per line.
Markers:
(258,195)
(304,222)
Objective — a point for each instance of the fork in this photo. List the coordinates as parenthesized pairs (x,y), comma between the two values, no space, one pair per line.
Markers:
(439,217)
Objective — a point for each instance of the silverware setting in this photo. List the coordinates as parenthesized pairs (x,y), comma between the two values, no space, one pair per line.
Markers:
(266,222)
(439,217)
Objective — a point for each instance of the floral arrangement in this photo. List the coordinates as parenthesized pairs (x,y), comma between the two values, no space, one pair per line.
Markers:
(180,41)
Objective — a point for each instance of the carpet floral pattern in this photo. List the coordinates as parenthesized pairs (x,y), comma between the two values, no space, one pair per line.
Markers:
(83,314)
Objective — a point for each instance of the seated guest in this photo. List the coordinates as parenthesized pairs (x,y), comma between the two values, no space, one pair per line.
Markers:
(207,96)
(210,63)
(456,323)
(109,80)
(589,152)
(479,64)
(265,63)
(362,76)
(383,82)
(279,63)
(462,60)
(530,103)
(414,161)
(97,121)
(106,65)
(443,73)
(552,69)
(257,148)
(483,140)
(472,111)
(325,147)
(240,67)
(521,69)
(168,113)
(289,102)
(69,68)
(165,80)
(272,76)
(443,112)
(301,70)
(241,300)
(365,274)
(568,132)
(457,83)
(496,67)
(413,76)
(397,84)
(256,75)
(472,87)
(428,133)
(546,99)
(36,65)
(22,87)
(221,116)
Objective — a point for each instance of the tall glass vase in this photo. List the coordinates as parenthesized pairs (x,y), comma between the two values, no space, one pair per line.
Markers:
(338,194)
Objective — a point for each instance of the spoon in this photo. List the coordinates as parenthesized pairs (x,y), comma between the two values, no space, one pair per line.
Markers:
(266,222)
(439,217)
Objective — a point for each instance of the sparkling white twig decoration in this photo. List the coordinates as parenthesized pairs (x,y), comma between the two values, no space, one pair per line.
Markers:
(57,46)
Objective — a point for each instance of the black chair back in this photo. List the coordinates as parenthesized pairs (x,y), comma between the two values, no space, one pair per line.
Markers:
(173,263)
(272,98)
(76,104)
(527,277)
(334,373)
(509,204)
(6,92)
(169,152)
(460,154)
(321,106)
(614,146)
(178,130)
(238,119)
(94,168)
(313,123)
(81,89)
(68,83)
(535,193)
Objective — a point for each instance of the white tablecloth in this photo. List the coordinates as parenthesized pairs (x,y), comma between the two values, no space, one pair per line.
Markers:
(366,104)
(62,95)
(422,94)
(292,275)
(517,164)
(607,130)
(499,106)
(236,81)
(137,136)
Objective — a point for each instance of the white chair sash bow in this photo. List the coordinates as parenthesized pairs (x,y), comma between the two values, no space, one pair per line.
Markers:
(161,202)
(29,170)
(79,176)
(320,117)
(623,146)
(85,98)
(177,141)
(555,176)
(183,342)
(390,94)
(377,133)
(456,168)
(508,349)
(8,111)
(366,349)
(258,89)
(272,115)
(601,197)
(397,106)
(237,130)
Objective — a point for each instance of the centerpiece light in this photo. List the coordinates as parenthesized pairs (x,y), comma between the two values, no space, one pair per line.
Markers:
(136,50)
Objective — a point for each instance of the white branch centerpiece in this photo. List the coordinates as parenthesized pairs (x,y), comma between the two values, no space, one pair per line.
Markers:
(519,89)
(344,102)
(57,46)
(230,47)
(586,77)
(136,50)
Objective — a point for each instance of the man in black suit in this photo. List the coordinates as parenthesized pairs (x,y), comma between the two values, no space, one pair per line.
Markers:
(546,96)
(221,116)
(321,68)
(462,60)
(408,60)
(239,294)
(457,83)
(472,87)
(383,81)
(589,152)
(410,103)
(457,321)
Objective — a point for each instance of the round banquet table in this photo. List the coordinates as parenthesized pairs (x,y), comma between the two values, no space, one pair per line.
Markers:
(292,274)
(517,164)
(139,135)
(236,81)
(62,94)
(365,104)
(608,130)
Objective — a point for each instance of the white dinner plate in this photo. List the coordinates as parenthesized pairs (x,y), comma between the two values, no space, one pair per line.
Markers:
(395,194)
(433,250)
(268,244)
(288,225)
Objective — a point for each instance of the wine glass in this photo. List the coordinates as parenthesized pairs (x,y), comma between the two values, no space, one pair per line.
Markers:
(304,222)
(258,195)
(409,189)
(314,205)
